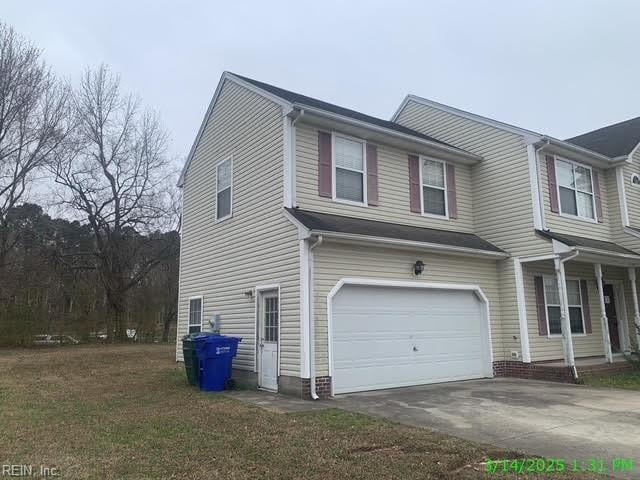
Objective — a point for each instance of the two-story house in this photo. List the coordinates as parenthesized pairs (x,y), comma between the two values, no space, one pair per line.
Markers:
(353,253)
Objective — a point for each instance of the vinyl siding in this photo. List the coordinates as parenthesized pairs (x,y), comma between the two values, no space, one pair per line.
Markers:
(334,261)
(574,226)
(257,246)
(393,188)
(550,348)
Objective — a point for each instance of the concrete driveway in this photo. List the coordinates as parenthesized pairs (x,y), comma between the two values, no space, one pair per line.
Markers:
(540,418)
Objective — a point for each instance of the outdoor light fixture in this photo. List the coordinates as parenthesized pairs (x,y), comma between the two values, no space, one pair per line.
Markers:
(418,267)
(249,293)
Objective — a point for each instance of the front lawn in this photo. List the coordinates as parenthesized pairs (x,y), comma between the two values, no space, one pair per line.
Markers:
(628,381)
(125,412)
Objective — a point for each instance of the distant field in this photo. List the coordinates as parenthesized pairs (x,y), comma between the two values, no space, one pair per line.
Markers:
(125,412)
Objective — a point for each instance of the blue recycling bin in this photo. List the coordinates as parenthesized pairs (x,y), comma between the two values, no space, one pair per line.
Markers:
(215,357)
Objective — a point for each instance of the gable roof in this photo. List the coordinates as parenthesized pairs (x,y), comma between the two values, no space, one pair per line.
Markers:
(325,223)
(613,141)
(345,112)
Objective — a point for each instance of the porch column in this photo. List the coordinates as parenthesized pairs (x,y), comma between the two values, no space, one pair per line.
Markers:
(634,295)
(565,323)
(603,316)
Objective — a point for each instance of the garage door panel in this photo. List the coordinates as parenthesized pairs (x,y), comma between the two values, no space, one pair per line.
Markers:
(391,337)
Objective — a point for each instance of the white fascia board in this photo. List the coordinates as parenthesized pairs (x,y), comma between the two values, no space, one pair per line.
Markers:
(559,147)
(286,106)
(528,134)
(465,157)
(436,247)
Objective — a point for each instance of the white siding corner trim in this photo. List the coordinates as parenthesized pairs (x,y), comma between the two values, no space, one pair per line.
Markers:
(404,284)
(622,194)
(534,177)
(522,311)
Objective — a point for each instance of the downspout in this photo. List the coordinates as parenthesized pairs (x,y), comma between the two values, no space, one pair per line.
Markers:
(312,322)
(561,275)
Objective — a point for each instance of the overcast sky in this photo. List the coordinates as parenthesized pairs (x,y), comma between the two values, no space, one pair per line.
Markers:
(557,67)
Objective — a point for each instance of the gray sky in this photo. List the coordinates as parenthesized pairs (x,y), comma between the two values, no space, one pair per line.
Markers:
(558,67)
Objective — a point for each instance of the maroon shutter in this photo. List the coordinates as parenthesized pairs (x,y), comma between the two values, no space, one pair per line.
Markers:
(324,164)
(452,201)
(540,305)
(586,309)
(414,184)
(553,183)
(597,193)
(372,175)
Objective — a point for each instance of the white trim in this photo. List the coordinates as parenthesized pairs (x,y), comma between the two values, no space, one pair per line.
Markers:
(216,167)
(547,305)
(189,325)
(565,318)
(422,159)
(286,106)
(522,311)
(305,370)
(288,175)
(537,258)
(636,303)
(536,195)
(405,284)
(334,176)
(622,196)
(259,289)
(410,243)
(530,135)
(463,156)
(575,164)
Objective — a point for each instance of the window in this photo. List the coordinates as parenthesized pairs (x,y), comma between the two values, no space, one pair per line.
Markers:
(552,298)
(575,189)
(349,170)
(434,192)
(271,319)
(195,315)
(224,187)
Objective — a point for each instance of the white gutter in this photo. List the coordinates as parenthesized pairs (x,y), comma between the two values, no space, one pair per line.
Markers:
(411,243)
(602,161)
(312,322)
(387,131)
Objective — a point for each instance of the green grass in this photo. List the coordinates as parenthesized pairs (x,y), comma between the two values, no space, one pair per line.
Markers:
(126,412)
(627,381)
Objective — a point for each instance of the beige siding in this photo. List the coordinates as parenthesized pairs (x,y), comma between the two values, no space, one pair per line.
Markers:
(573,226)
(393,187)
(334,261)
(633,191)
(257,246)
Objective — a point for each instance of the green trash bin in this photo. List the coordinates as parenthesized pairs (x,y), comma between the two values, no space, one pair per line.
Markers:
(191,363)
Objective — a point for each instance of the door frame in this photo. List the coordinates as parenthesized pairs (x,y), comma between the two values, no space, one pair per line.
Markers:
(259,291)
(374,282)
(621,313)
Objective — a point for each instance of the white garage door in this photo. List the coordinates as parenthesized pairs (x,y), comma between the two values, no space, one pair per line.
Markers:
(385,337)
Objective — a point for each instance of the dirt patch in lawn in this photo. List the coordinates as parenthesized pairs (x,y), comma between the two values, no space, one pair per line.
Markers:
(126,412)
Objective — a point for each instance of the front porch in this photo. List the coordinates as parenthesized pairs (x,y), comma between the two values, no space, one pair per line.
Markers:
(581,312)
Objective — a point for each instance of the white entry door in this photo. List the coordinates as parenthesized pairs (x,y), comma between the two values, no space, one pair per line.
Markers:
(268,328)
(387,337)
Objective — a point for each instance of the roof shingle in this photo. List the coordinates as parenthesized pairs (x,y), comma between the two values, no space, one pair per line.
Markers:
(613,141)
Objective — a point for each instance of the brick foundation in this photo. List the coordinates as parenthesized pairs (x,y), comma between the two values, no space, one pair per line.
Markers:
(323,387)
(532,371)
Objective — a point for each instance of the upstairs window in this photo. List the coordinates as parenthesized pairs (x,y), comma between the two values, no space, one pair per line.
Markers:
(552,299)
(575,189)
(224,187)
(195,315)
(434,192)
(349,170)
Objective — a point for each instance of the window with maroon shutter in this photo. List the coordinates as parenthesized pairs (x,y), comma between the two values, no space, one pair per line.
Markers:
(598,196)
(586,308)
(553,184)
(452,199)
(350,169)
(414,184)
(576,187)
(324,164)
(576,296)
(541,305)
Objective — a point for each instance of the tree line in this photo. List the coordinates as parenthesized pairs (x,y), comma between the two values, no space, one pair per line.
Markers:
(99,157)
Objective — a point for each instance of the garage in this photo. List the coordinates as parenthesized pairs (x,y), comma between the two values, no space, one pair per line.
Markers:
(395,336)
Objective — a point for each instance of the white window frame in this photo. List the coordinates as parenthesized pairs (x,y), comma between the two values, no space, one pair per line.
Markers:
(576,190)
(363,142)
(189,325)
(446,191)
(218,220)
(547,305)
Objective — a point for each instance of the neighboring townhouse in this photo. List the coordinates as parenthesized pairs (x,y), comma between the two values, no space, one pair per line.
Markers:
(353,253)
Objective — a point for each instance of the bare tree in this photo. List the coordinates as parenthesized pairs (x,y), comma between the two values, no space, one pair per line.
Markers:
(120,180)
(33,124)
